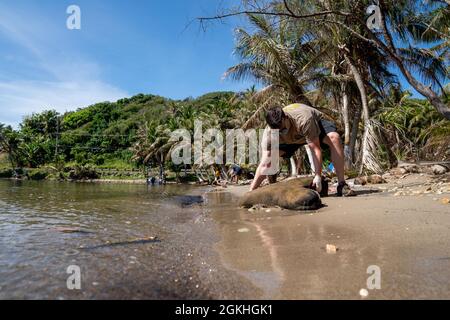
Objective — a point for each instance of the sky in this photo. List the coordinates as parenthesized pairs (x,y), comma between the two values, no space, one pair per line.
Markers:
(123,48)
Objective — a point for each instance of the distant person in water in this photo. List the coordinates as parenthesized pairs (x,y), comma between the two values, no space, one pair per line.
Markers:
(236,173)
(218,181)
(151,180)
(300,125)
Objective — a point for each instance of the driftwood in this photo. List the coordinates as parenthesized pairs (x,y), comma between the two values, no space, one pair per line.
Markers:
(145,240)
(423,163)
(72,230)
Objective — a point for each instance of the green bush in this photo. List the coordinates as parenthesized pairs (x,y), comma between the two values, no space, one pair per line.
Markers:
(81,158)
(21,172)
(57,176)
(6,173)
(38,174)
(83,173)
(99,160)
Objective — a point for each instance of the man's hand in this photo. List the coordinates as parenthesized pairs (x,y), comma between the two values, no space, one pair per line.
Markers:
(259,176)
(317,183)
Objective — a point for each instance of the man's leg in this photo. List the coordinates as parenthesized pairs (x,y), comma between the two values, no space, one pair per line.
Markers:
(330,137)
(273,178)
(333,140)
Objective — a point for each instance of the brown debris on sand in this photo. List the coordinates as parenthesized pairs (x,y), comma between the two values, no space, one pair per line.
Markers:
(373,179)
(331,249)
(436,168)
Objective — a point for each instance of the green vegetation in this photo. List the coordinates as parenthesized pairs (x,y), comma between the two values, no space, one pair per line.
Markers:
(324,54)
(50,148)
(112,140)
(318,52)
(413,129)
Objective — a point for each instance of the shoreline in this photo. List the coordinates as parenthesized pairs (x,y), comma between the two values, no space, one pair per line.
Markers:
(106,181)
(215,250)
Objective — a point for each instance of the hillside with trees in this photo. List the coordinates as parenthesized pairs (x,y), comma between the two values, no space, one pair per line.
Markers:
(129,134)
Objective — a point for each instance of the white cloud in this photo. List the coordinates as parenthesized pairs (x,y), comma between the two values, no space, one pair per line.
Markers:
(21,98)
(69,81)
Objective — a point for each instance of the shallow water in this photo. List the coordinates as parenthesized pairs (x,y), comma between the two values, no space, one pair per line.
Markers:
(47,226)
(214,249)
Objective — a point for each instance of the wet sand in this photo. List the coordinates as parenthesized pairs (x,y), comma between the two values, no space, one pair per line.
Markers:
(283,252)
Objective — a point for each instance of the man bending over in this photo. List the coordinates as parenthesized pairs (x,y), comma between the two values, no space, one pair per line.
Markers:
(300,125)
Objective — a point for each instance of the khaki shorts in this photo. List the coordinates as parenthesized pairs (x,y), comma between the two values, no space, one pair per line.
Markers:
(325,126)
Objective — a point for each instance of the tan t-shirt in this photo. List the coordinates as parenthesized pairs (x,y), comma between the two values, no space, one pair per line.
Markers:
(304,125)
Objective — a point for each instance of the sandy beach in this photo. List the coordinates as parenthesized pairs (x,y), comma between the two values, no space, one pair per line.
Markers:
(402,227)
(209,248)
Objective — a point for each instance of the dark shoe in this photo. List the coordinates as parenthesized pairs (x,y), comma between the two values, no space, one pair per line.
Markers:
(324,192)
(343,190)
(272,179)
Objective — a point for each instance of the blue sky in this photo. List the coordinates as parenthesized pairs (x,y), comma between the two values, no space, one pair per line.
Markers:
(123,48)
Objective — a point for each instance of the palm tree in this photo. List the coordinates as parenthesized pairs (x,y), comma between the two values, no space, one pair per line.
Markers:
(413,127)
(345,64)
(406,28)
(417,25)
(274,57)
(154,143)
(294,56)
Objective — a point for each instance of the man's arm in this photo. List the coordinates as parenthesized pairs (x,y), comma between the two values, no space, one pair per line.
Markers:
(316,151)
(263,165)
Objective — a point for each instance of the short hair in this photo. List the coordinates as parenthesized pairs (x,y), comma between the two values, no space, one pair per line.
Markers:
(274,117)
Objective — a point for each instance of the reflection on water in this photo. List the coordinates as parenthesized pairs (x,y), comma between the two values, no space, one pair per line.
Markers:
(35,251)
(283,253)
(285,258)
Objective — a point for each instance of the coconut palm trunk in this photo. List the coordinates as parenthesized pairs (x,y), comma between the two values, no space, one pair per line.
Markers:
(345,116)
(354,135)
(369,159)
(162,173)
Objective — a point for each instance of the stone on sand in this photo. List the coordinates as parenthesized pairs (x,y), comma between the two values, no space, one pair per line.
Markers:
(331,249)
(409,167)
(373,179)
(438,169)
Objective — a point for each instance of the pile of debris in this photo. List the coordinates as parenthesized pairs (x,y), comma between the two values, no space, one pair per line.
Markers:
(412,179)
(420,178)
(432,168)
